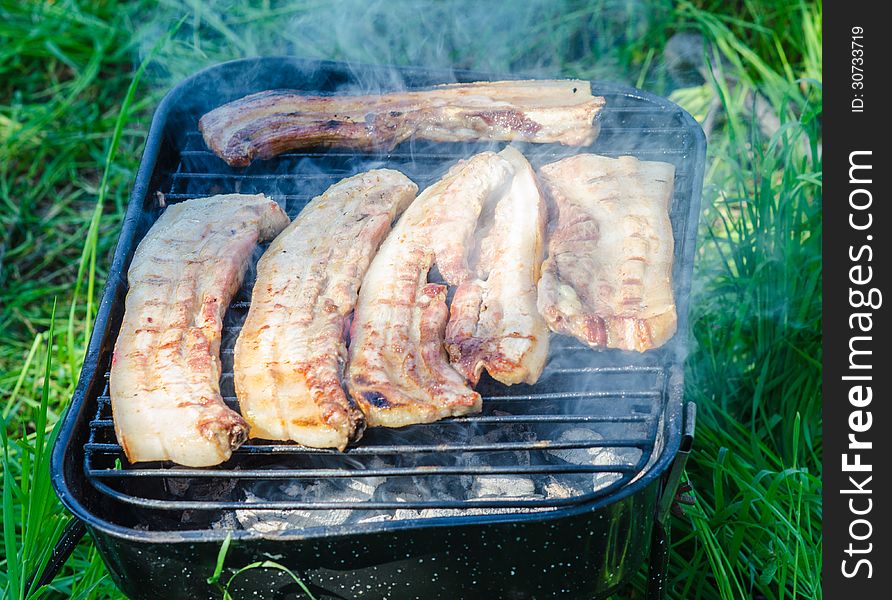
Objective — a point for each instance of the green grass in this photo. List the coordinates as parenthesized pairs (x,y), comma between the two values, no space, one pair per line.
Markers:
(70,140)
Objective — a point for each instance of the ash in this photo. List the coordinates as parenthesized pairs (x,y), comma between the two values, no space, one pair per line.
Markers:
(424,496)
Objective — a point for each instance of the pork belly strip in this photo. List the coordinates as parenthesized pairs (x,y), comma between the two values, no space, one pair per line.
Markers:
(608,277)
(165,372)
(399,372)
(494,323)
(268,123)
(290,355)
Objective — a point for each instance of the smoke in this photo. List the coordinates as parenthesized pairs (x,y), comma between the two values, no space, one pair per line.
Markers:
(534,37)
(537,38)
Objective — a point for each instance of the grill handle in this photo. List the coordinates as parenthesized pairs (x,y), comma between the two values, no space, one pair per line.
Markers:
(68,541)
(673,477)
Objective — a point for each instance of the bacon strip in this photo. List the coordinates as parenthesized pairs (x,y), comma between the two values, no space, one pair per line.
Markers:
(608,277)
(399,373)
(268,123)
(290,356)
(494,322)
(165,371)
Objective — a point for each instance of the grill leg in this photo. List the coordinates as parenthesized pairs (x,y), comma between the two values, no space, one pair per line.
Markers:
(659,563)
(69,539)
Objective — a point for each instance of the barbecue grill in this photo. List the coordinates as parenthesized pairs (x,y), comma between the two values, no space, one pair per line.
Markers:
(384,519)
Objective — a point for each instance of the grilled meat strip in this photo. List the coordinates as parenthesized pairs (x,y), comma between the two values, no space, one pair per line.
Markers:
(268,123)
(608,276)
(165,372)
(290,356)
(399,373)
(494,322)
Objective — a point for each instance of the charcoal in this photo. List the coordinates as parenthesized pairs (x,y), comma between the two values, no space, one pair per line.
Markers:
(503,487)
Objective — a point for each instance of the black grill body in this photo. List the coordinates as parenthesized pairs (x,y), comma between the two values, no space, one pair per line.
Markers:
(159,527)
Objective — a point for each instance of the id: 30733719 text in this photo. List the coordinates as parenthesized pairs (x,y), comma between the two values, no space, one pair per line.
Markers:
(857,77)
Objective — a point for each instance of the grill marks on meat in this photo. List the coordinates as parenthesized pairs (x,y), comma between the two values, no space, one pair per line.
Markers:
(165,371)
(268,123)
(494,322)
(399,372)
(290,356)
(608,277)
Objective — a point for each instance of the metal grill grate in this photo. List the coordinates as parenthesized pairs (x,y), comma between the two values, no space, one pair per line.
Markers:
(592,424)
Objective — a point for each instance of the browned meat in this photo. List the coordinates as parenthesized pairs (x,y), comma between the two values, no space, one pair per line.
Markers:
(265,124)
(608,276)
(290,356)
(166,367)
(494,323)
(399,373)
